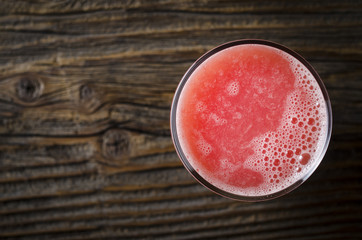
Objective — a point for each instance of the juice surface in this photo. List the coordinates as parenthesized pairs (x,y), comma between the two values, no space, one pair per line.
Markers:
(252,120)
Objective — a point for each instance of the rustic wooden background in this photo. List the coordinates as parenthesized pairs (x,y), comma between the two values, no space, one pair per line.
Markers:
(85,93)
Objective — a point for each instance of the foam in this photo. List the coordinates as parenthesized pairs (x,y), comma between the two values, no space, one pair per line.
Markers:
(302,120)
(217,120)
(233,88)
(203,146)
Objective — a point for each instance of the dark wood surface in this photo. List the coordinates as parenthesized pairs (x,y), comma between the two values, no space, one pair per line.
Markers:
(85,92)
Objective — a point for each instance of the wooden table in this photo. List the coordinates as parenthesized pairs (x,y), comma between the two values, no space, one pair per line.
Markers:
(85,93)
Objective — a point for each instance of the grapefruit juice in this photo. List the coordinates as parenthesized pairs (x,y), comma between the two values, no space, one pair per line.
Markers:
(251,120)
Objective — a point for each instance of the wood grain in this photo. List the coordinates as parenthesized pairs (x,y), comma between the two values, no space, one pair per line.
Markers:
(85,93)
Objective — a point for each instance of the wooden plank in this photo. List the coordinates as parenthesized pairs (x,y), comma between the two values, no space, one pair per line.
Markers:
(85,95)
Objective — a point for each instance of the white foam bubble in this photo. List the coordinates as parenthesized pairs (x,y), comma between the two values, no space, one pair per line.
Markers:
(218,121)
(204,147)
(233,88)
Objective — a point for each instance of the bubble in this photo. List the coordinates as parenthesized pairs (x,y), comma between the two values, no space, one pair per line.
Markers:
(311,121)
(298,151)
(304,158)
(290,153)
(276,162)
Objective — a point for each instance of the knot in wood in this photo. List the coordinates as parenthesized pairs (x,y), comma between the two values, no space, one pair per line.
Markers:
(116,145)
(85,92)
(29,89)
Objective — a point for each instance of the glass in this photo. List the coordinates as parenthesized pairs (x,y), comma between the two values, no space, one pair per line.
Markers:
(190,167)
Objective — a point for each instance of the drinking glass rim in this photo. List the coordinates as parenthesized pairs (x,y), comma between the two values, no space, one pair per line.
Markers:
(177,144)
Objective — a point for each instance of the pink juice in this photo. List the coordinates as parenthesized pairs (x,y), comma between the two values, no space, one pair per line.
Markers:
(251,121)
